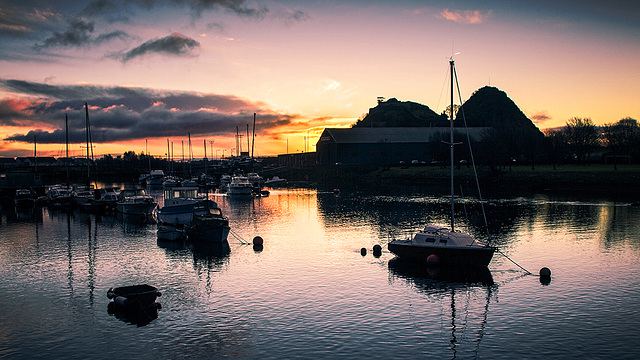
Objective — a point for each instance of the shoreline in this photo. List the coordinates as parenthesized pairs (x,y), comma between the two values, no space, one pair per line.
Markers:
(595,179)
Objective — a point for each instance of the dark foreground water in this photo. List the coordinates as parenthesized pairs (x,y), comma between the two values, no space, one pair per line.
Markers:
(311,294)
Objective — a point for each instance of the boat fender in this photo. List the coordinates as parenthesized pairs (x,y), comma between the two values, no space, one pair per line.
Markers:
(377,250)
(433,259)
(363,251)
(121,301)
(110,294)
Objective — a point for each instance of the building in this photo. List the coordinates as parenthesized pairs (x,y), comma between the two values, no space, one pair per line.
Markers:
(389,145)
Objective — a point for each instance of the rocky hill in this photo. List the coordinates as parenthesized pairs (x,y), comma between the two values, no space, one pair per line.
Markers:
(394,113)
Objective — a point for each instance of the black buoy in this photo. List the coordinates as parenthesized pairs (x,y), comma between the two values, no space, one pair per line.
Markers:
(363,251)
(545,276)
(377,250)
(545,272)
(257,241)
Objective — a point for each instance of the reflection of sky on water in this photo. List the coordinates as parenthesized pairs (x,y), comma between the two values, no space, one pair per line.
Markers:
(310,291)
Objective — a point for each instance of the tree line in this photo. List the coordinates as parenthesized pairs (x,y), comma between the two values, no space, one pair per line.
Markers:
(580,138)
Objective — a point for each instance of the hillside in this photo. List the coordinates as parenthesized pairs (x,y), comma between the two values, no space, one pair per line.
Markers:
(394,113)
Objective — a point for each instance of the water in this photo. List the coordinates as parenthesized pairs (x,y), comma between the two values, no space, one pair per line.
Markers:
(311,294)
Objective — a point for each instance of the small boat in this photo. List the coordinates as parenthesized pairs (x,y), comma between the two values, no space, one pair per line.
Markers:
(155,177)
(134,295)
(82,194)
(170,232)
(255,180)
(105,199)
(275,182)
(135,202)
(171,181)
(439,245)
(180,204)
(59,196)
(210,227)
(24,198)
(239,186)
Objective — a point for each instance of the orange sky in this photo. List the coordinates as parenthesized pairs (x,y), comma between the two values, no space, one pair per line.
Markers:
(161,71)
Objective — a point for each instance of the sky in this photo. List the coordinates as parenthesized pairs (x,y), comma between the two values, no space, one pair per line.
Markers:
(154,72)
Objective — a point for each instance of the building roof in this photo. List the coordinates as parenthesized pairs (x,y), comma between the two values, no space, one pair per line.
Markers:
(396,134)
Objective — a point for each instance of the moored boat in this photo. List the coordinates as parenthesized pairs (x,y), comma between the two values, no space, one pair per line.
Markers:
(135,201)
(437,245)
(211,227)
(24,198)
(275,182)
(134,295)
(239,186)
(155,177)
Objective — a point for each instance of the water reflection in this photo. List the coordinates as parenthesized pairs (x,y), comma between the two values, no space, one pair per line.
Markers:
(139,316)
(468,314)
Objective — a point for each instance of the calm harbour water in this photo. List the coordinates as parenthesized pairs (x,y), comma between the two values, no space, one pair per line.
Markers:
(311,294)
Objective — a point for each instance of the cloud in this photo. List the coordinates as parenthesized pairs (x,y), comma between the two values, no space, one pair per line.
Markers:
(291,16)
(19,23)
(121,114)
(540,117)
(465,16)
(174,44)
(78,34)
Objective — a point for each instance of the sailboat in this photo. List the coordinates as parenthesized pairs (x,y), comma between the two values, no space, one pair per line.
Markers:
(441,245)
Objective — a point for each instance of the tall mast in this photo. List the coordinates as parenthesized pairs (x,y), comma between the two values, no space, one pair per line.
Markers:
(86,109)
(66,134)
(253,140)
(451,65)
(205,156)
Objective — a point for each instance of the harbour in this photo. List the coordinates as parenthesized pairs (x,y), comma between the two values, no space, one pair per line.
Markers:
(311,293)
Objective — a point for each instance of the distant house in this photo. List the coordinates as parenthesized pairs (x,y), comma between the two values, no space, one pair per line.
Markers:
(388,145)
(7,162)
(40,161)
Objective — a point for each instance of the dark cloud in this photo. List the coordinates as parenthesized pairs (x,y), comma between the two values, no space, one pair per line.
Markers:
(78,34)
(293,16)
(540,117)
(107,8)
(120,114)
(174,44)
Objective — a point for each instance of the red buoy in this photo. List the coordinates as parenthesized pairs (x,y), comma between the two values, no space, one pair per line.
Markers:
(433,259)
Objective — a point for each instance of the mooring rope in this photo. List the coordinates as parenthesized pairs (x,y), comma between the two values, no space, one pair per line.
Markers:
(238,237)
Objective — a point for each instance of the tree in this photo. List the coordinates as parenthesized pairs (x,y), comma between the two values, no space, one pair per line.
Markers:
(581,136)
(556,144)
(621,138)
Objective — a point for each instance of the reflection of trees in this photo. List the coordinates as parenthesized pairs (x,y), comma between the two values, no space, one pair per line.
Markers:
(400,216)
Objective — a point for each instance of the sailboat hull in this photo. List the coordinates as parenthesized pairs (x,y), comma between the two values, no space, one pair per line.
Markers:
(459,256)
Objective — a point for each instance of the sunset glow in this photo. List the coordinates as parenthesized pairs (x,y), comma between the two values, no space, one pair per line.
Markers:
(157,70)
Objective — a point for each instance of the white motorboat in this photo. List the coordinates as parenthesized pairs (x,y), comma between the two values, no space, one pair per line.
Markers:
(155,177)
(136,202)
(239,186)
(275,182)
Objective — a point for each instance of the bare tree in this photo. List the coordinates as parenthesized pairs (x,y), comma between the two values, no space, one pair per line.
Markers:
(621,138)
(581,136)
